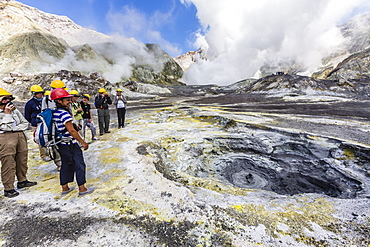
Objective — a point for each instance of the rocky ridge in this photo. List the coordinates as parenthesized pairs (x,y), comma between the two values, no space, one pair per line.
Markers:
(355,67)
(19,85)
(304,85)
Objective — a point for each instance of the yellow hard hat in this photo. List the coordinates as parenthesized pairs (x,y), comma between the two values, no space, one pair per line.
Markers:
(47,92)
(119,90)
(102,90)
(87,96)
(57,84)
(3,93)
(74,92)
(36,89)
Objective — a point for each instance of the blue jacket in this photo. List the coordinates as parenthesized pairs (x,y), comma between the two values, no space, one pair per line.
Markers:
(31,110)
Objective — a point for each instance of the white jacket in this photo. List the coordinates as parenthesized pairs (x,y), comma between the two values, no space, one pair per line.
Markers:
(13,121)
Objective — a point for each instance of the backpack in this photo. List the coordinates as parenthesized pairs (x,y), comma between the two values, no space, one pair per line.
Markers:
(46,133)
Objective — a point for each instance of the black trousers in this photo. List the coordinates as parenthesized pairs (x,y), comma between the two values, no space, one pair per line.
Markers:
(72,165)
(121,112)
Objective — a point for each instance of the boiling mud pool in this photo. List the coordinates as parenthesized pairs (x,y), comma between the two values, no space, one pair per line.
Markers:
(258,158)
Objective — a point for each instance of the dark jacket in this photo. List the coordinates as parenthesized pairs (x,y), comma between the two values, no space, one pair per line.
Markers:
(86,110)
(102,102)
(31,110)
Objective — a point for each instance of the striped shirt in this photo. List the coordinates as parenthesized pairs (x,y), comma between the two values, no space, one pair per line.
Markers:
(61,117)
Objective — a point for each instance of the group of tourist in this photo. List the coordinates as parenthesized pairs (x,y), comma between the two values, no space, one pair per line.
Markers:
(71,117)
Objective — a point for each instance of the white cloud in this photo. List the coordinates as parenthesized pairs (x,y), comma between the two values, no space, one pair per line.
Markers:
(131,22)
(242,35)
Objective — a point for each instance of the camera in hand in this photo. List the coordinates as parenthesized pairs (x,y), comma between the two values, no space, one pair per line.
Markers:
(77,127)
(7,103)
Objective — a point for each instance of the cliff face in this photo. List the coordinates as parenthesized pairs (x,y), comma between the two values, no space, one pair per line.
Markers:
(169,74)
(352,62)
(355,67)
(187,59)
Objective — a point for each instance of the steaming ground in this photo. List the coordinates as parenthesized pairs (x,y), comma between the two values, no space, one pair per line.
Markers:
(164,179)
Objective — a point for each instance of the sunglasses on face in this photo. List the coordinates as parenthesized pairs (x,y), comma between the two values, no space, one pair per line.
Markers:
(7,98)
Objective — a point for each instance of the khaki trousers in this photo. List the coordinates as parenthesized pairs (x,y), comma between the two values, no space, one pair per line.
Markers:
(13,158)
(104,120)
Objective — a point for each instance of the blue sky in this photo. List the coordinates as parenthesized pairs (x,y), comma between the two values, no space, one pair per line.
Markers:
(166,22)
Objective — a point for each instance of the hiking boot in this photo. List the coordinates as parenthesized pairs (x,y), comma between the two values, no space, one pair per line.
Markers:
(11,193)
(95,139)
(25,184)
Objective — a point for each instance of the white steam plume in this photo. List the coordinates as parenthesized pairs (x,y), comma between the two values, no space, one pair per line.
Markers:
(242,35)
(121,53)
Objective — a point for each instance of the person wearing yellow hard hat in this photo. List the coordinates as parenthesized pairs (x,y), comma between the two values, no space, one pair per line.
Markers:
(14,147)
(47,102)
(87,117)
(74,92)
(57,84)
(31,110)
(120,103)
(102,90)
(86,95)
(33,106)
(102,102)
(76,110)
